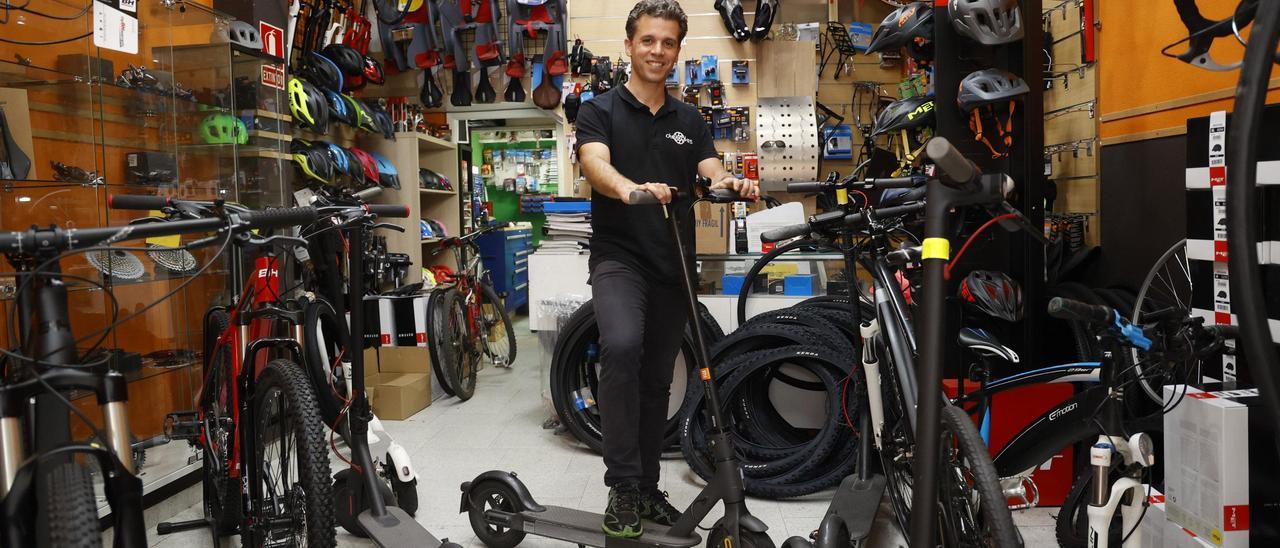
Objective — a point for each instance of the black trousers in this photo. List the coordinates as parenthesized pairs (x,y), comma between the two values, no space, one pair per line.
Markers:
(641,326)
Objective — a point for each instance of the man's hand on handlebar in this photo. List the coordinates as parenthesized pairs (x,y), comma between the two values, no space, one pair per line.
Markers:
(659,190)
(744,187)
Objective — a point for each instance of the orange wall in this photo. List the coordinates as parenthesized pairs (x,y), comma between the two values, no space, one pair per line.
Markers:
(1133,73)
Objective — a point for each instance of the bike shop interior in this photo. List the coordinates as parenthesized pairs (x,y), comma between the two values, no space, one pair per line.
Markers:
(1022,205)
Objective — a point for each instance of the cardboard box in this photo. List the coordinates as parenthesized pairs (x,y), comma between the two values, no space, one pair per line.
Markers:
(1220,475)
(401,395)
(711,228)
(800,284)
(403,359)
(370,365)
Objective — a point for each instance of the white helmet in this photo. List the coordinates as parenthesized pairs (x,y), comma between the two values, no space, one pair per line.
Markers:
(988,22)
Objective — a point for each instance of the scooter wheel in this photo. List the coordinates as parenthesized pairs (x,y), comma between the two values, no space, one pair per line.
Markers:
(718,538)
(493,495)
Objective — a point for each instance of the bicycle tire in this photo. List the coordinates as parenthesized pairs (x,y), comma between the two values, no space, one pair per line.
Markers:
(710,327)
(324,337)
(996,523)
(1159,292)
(1071,527)
(69,506)
(759,265)
(496,305)
(283,399)
(461,361)
(436,328)
(222,501)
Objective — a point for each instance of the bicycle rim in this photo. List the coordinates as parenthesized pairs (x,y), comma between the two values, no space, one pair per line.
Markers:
(495,330)
(278,467)
(1166,290)
(461,366)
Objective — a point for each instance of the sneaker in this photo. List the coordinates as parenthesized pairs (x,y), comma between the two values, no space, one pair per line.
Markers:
(655,507)
(622,517)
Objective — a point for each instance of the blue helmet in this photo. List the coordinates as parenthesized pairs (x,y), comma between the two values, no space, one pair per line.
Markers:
(340,108)
(387,174)
(339,157)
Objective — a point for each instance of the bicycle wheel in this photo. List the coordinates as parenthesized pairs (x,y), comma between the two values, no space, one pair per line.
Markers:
(1072,525)
(222,501)
(436,326)
(69,507)
(325,338)
(462,355)
(495,328)
(973,509)
(1166,290)
(292,462)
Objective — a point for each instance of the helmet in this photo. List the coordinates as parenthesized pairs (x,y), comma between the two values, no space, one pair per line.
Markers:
(425,228)
(321,71)
(243,34)
(985,87)
(308,106)
(992,293)
(381,120)
(387,175)
(349,61)
(314,163)
(373,71)
(364,120)
(219,129)
(902,27)
(909,113)
(369,164)
(338,157)
(339,109)
(355,170)
(988,22)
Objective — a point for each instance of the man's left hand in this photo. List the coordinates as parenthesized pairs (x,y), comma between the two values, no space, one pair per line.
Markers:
(744,187)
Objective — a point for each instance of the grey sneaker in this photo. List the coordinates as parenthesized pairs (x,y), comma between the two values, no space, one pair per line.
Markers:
(622,517)
(655,507)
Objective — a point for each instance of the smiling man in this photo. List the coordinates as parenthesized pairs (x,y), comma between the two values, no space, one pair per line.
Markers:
(636,137)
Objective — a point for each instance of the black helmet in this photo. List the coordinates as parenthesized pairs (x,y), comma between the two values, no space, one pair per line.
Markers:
(909,113)
(989,22)
(992,293)
(902,27)
(321,71)
(985,87)
(349,61)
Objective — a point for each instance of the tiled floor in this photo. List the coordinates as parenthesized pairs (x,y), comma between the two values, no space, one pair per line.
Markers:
(501,428)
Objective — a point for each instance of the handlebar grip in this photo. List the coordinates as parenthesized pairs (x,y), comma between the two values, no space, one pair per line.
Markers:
(132,201)
(1225,331)
(949,160)
(785,233)
(893,182)
(389,210)
(367,194)
(280,217)
(806,187)
(1067,309)
(895,211)
(640,197)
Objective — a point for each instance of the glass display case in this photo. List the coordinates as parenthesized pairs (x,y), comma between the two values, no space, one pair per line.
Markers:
(95,122)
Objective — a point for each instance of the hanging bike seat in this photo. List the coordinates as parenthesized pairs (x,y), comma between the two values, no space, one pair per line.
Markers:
(984,344)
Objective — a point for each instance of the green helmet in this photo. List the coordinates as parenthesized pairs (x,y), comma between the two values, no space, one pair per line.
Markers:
(222,129)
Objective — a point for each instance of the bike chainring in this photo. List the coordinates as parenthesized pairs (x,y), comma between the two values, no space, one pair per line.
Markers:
(177,261)
(117,264)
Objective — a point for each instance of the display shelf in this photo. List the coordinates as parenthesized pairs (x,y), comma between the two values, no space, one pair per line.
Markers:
(783,258)
(426,241)
(437,192)
(427,141)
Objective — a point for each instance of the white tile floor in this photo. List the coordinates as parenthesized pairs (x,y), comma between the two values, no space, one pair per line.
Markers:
(501,428)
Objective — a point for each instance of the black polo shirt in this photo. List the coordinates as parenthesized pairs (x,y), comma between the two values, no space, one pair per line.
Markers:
(646,148)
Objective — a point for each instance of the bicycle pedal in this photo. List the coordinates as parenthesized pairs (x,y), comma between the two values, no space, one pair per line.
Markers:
(182,425)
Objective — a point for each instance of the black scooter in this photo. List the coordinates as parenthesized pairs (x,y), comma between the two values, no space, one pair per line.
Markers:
(502,511)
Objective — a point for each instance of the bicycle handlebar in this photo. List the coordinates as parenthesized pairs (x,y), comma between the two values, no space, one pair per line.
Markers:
(1067,309)
(880,183)
(130,201)
(389,210)
(831,218)
(715,196)
(280,217)
(950,162)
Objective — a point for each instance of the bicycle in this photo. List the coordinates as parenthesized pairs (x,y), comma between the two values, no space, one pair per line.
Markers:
(971,507)
(467,319)
(48,496)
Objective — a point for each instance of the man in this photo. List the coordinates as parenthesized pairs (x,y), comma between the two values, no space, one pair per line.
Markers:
(636,137)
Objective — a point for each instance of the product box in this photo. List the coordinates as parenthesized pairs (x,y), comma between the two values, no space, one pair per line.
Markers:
(403,359)
(800,285)
(777,217)
(409,314)
(150,168)
(711,228)
(1155,524)
(401,395)
(1220,472)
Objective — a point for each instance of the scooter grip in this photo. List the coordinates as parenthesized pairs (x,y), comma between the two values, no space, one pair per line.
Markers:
(1067,309)
(131,201)
(640,197)
(949,160)
(806,187)
(367,194)
(785,233)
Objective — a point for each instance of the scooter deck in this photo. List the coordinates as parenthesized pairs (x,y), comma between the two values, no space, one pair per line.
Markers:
(856,502)
(396,529)
(581,527)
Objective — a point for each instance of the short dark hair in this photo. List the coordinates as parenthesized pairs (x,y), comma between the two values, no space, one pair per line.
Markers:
(662,9)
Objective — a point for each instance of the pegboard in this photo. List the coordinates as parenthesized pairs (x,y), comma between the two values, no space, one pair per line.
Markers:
(787,140)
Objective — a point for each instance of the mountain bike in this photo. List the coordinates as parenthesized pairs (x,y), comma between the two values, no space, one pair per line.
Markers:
(467,319)
(48,497)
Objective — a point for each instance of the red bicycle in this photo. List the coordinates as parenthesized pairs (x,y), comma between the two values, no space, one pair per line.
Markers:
(467,320)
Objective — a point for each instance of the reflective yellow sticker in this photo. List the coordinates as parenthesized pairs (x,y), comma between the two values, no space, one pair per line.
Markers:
(842,196)
(166,241)
(935,248)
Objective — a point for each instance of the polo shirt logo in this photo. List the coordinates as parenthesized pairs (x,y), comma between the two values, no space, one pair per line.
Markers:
(679,138)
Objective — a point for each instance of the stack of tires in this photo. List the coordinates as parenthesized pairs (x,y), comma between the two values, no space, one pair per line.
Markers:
(785,381)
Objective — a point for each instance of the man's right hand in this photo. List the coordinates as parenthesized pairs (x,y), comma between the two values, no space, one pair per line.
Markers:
(659,190)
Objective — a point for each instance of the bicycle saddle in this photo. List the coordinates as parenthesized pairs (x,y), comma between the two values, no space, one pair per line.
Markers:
(986,345)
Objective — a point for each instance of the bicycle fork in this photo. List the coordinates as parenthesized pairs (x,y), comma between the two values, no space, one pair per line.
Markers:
(1137,453)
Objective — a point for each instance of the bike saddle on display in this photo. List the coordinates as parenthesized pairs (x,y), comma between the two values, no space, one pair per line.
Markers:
(461,95)
(571,104)
(765,12)
(985,345)
(484,90)
(432,96)
(734,21)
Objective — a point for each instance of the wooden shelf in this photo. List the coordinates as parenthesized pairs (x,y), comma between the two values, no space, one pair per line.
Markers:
(426,241)
(434,191)
(426,141)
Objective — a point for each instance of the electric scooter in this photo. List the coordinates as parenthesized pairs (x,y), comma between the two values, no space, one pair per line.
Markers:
(502,511)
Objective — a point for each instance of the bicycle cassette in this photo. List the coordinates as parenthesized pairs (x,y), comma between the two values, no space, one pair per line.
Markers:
(177,261)
(117,264)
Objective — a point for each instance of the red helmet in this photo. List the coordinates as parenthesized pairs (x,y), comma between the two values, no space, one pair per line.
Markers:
(992,293)
(369,164)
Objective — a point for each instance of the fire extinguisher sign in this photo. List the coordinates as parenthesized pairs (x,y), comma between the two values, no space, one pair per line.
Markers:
(272,39)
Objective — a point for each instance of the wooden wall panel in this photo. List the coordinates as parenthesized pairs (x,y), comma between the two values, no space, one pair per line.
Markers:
(1068,117)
